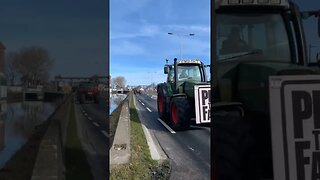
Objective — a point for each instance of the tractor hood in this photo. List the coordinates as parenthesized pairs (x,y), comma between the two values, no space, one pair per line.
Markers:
(248,81)
(187,87)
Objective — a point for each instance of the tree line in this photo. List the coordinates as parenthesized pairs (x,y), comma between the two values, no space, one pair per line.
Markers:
(118,82)
(28,66)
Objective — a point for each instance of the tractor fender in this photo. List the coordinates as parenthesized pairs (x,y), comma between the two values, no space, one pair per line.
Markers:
(177,95)
(218,106)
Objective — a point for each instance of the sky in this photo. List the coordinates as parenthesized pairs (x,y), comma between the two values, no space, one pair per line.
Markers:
(310,25)
(139,43)
(74,32)
(139,40)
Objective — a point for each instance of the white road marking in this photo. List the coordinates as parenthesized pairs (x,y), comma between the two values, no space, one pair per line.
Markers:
(165,125)
(142,103)
(85,114)
(96,124)
(105,133)
(90,118)
(139,100)
(149,109)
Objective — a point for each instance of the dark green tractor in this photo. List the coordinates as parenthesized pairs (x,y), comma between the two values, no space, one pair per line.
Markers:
(176,103)
(254,40)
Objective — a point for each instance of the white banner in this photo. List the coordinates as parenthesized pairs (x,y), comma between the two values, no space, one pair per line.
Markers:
(295,126)
(202,95)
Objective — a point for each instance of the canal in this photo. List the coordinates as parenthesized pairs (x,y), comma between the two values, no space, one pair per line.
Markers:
(18,120)
(115,100)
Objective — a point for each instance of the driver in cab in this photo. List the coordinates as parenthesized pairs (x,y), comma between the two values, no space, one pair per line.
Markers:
(183,75)
(233,43)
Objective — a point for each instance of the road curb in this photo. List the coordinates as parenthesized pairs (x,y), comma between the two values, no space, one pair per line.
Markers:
(155,148)
(120,151)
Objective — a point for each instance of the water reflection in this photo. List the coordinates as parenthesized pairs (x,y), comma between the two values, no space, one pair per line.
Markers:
(115,100)
(18,123)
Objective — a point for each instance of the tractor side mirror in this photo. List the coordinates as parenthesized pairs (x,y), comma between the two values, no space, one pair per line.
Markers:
(166,69)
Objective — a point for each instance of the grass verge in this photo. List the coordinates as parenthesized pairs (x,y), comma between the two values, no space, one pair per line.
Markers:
(77,166)
(141,165)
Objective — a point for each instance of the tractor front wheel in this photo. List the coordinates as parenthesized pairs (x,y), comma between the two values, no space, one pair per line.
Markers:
(162,104)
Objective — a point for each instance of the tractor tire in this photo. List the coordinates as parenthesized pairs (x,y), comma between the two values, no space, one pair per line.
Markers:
(180,113)
(233,147)
(162,104)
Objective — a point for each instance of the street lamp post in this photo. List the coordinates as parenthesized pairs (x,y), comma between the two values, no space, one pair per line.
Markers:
(180,40)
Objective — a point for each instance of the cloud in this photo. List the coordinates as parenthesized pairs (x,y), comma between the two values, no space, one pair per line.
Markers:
(126,31)
(122,8)
(195,29)
(126,48)
(138,76)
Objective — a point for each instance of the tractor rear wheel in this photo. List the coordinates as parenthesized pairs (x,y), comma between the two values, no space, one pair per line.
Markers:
(180,113)
(162,104)
(232,144)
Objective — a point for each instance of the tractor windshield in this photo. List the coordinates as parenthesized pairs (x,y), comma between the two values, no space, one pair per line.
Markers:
(238,35)
(190,72)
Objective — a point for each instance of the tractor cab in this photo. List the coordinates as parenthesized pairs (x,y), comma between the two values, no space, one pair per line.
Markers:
(187,70)
(257,39)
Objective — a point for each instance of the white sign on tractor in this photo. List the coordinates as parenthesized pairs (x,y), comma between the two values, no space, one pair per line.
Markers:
(295,126)
(202,94)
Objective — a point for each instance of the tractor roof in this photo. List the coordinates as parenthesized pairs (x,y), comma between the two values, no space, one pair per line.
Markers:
(189,62)
(248,3)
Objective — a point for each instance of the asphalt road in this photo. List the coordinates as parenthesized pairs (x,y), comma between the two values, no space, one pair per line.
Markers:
(189,150)
(92,129)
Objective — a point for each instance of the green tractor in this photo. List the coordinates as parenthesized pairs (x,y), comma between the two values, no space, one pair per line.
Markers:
(176,97)
(255,39)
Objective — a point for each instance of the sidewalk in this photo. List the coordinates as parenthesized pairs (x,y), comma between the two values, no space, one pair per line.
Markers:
(49,163)
(120,150)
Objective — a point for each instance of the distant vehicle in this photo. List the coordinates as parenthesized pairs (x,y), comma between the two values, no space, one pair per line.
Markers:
(87,91)
(137,91)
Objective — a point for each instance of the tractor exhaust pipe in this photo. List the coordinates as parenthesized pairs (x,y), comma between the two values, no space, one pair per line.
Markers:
(175,73)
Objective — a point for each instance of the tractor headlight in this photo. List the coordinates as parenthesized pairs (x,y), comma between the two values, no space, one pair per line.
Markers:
(247,1)
(280,3)
(233,1)
(275,1)
(263,1)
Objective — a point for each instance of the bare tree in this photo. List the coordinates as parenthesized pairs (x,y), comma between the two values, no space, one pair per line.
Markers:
(119,82)
(11,67)
(34,63)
